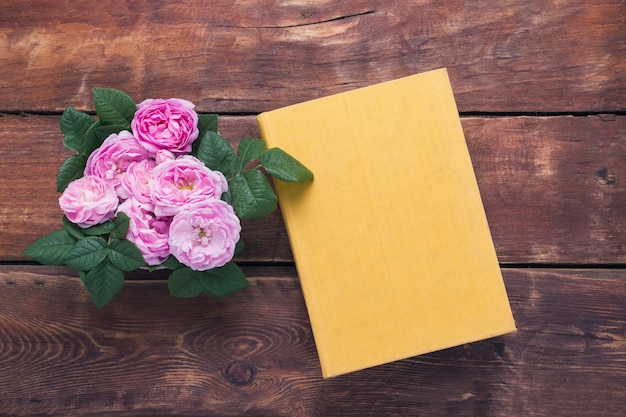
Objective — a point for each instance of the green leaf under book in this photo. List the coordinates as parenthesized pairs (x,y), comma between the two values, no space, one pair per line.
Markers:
(252,195)
(87,253)
(72,169)
(104,281)
(114,107)
(125,255)
(75,124)
(249,149)
(51,249)
(216,153)
(281,165)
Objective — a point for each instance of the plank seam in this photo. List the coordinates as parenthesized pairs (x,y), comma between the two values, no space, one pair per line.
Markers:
(334,19)
(487,114)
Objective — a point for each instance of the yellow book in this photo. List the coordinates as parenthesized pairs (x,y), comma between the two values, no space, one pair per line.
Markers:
(391,241)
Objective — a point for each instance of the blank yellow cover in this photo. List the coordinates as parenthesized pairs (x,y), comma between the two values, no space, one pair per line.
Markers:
(390,240)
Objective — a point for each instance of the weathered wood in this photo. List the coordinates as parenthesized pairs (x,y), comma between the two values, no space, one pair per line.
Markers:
(553,187)
(513,55)
(253,354)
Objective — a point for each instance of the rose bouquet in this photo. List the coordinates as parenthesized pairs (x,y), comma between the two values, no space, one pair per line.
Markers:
(154,185)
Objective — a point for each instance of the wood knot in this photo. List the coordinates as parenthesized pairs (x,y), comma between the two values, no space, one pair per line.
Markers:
(240,373)
(606,178)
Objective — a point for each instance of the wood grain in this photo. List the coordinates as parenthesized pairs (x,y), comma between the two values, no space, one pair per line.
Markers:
(253,354)
(250,56)
(553,187)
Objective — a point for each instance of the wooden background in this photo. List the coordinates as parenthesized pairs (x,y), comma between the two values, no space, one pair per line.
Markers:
(541,87)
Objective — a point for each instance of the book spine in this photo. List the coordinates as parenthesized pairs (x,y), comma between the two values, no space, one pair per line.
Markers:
(263,122)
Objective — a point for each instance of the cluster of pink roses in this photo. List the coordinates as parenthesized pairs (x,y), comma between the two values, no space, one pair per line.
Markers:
(171,198)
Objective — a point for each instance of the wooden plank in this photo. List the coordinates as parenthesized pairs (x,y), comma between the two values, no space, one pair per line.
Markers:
(254,354)
(552,187)
(260,55)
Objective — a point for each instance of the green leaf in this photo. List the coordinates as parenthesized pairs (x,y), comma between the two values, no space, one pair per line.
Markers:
(285,167)
(252,195)
(91,141)
(100,229)
(125,255)
(104,131)
(224,281)
(73,229)
(51,249)
(104,282)
(227,197)
(72,169)
(239,246)
(120,226)
(207,122)
(249,149)
(172,263)
(220,282)
(74,124)
(185,283)
(114,107)
(87,253)
(216,153)
(97,134)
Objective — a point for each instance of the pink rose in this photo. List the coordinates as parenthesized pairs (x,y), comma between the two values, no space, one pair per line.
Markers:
(185,180)
(163,155)
(166,124)
(111,160)
(136,181)
(88,201)
(148,232)
(203,235)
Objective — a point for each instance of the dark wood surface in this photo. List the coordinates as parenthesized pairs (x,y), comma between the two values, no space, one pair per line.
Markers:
(541,87)
(148,352)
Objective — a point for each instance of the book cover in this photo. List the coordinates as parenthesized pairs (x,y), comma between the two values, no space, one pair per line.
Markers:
(391,242)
